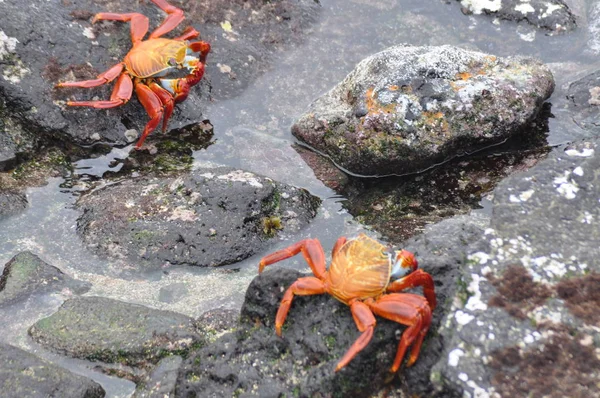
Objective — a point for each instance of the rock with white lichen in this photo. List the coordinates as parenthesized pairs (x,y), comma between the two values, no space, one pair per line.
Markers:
(208,217)
(552,15)
(408,108)
(525,322)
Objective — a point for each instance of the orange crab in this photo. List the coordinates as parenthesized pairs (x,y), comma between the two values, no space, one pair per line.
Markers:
(367,276)
(147,65)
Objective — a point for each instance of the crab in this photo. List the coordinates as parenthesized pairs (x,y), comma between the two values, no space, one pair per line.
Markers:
(147,66)
(367,276)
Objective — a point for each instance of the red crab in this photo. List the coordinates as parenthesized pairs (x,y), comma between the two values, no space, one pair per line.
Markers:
(147,66)
(367,276)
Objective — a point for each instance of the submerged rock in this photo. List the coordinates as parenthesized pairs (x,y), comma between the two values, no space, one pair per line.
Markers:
(25,375)
(27,274)
(102,329)
(552,15)
(12,203)
(408,108)
(253,361)
(525,321)
(209,217)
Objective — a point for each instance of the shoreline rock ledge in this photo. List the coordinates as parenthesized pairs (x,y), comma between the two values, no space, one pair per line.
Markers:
(408,108)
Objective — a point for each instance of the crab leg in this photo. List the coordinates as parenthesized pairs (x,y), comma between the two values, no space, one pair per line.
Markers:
(139,23)
(167,100)
(174,18)
(410,310)
(415,279)
(119,96)
(153,106)
(302,287)
(188,34)
(365,322)
(103,78)
(338,245)
(311,250)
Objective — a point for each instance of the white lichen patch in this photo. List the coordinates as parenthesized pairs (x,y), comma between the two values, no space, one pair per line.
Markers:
(566,186)
(16,72)
(578,171)
(474,303)
(479,6)
(587,218)
(454,356)
(89,32)
(584,153)
(184,214)
(524,8)
(463,318)
(242,176)
(479,257)
(522,197)
(8,45)
(551,8)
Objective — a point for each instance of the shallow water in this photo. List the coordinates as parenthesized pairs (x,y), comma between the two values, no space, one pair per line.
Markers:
(252,132)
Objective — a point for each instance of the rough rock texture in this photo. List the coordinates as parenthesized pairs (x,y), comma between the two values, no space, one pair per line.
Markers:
(161,382)
(552,15)
(253,361)
(209,217)
(25,375)
(408,108)
(12,203)
(55,41)
(101,329)
(526,320)
(26,274)
(585,101)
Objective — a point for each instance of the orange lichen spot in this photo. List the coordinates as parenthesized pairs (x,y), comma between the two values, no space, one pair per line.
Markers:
(463,76)
(373,106)
(393,87)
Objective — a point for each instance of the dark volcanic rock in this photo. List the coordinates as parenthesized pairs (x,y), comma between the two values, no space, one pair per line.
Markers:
(553,15)
(524,321)
(585,97)
(12,203)
(26,274)
(209,217)
(65,46)
(253,361)
(23,375)
(408,108)
(161,382)
(101,329)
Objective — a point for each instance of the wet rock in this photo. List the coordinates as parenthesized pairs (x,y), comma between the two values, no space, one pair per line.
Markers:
(253,361)
(552,15)
(209,217)
(12,203)
(25,375)
(27,274)
(161,382)
(101,329)
(65,46)
(584,95)
(408,108)
(523,323)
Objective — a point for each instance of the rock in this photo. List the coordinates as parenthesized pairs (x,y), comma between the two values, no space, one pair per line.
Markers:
(64,45)
(408,108)
(525,320)
(12,203)
(584,95)
(253,361)
(161,382)
(552,15)
(102,329)
(209,217)
(25,375)
(27,274)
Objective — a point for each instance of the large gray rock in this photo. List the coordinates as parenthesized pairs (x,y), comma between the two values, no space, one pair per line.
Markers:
(23,375)
(525,321)
(552,15)
(253,361)
(408,108)
(27,274)
(208,217)
(54,41)
(584,96)
(101,329)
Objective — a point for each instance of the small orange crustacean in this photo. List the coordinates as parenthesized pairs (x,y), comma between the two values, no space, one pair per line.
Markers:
(147,66)
(367,276)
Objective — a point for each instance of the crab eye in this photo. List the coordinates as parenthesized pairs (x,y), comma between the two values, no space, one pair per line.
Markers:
(404,263)
(172,62)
